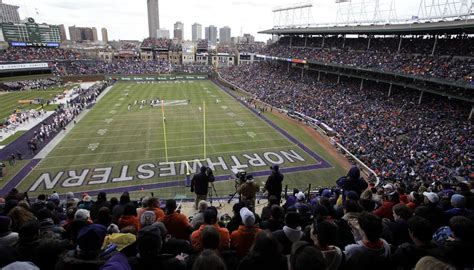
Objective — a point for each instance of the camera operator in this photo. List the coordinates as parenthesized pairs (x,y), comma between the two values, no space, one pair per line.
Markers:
(274,183)
(200,184)
(247,190)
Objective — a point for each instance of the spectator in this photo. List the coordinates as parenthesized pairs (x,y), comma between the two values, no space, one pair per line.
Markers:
(274,183)
(272,200)
(458,203)
(431,263)
(265,253)
(352,182)
(129,217)
(306,257)
(198,218)
(398,229)
(324,235)
(86,256)
(19,217)
(7,237)
(370,251)
(151,213)
(101,202)
(149,246)
(210,218)
(458,250)
(408,254)
(177,224)
(242,239)
(209,260)
(117,211)
(430,210)
(275,222)
(290,233)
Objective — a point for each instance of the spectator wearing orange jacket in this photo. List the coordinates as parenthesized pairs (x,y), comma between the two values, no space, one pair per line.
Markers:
(129,217)
(177,224)
(210,218)
(242,239)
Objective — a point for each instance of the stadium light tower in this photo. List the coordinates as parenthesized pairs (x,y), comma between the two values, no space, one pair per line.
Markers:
(445,9)
(365,11)
(297,15)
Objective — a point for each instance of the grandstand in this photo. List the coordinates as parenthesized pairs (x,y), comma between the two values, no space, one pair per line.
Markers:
(342,147)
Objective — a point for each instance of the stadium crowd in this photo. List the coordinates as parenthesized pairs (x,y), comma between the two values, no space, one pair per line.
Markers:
(31,84)
(26,54)
(399,140)
(452,61)
(63,116)
(124,67)
(354,226)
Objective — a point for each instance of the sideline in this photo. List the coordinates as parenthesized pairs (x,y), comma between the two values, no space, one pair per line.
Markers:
(51,145)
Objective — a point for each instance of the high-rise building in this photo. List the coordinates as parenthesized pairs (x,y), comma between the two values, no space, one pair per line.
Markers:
(9,13)
(153,17)
(62,32)
(196,32)
(179,31)
(211,34)
(224,35)
(105,35)
(80,34)
(95,36)
(163,33)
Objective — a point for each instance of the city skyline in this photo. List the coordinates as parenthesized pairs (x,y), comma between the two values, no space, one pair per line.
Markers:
(245,16)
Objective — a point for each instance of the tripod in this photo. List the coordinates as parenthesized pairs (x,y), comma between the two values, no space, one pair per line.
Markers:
(213,191)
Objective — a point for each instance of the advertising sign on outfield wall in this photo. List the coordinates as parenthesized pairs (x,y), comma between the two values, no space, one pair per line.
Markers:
(159,78)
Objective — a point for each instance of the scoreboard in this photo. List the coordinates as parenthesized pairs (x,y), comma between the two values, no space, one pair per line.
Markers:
(31,33)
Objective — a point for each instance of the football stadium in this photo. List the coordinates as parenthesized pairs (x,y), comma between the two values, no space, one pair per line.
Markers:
(342,145)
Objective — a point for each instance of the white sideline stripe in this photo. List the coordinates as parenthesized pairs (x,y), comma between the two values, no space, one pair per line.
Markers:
(39,168)
(161,148)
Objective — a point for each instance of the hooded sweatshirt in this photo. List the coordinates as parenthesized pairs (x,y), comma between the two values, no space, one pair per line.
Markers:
(360,256)
(287,237)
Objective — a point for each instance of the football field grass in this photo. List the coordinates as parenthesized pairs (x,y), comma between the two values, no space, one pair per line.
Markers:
(115,149)
(9,101)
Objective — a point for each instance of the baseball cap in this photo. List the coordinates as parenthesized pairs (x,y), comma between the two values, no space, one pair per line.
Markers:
(389,189)
(300,196)
(431,196)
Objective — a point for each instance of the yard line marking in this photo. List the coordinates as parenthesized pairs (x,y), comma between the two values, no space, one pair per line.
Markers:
(252,125)
(179,158)
(93,146)
(162,148)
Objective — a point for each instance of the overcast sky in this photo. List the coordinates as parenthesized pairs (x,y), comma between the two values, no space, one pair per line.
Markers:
(127,19)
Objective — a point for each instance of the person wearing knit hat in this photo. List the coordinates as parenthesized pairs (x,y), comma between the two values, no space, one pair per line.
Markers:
(87,253)
(7,237)
(242,239)
(82,214)
(458,202)
(431,197)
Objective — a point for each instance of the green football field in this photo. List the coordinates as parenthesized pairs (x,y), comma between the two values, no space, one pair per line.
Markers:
(115,149)
(9,101)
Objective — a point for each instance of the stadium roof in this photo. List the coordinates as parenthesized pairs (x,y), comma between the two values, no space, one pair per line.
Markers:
(442,27)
